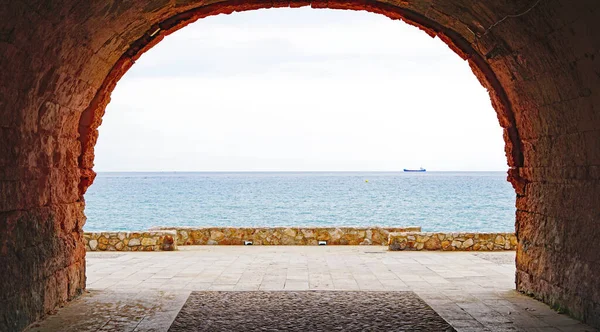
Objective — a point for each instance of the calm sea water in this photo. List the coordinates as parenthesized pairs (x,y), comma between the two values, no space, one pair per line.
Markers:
(437,201)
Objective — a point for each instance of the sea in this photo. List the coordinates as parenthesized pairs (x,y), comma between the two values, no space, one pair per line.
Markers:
(436,201)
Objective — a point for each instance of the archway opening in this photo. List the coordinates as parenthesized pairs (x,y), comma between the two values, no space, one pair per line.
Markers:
(394,103)
(299,90)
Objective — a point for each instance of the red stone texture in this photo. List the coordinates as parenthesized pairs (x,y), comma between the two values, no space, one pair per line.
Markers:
(60,60)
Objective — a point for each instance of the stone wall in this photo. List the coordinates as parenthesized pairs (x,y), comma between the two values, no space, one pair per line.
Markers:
(452,241)
(403,238)
(61,60)
(286,235)
(131,241)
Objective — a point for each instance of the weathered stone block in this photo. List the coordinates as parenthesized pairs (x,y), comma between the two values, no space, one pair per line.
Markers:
(469,243)
(134,242)
(433,243)
(149,241)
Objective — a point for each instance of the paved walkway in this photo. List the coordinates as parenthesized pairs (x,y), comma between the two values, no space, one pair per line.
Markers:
(144,291)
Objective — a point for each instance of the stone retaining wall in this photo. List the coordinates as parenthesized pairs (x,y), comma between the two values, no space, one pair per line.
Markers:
(131,241)
(286,235)
(402,238)
(452,241)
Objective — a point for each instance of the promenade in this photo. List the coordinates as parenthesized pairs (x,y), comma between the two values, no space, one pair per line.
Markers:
(145,291)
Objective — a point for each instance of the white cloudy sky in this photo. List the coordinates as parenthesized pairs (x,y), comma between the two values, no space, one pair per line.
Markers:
(299,89)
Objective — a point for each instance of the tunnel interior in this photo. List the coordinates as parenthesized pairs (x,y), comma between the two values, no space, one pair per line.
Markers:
(60,62)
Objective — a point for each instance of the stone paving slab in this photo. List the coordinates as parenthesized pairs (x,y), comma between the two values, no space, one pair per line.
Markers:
(473,292)
(307,311)
(116,311)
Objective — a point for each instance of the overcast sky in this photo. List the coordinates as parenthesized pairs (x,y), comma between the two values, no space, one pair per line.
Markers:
(299,89)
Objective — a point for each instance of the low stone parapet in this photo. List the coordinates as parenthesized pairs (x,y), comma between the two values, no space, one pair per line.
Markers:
(131,241)
(452,241)
(285,235)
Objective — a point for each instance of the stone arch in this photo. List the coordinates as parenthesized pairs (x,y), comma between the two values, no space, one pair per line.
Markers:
(60,60)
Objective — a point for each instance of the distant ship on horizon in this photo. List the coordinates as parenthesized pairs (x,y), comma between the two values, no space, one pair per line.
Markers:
(421,169)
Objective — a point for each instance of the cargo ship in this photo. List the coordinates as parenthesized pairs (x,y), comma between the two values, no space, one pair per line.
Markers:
(421,169)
